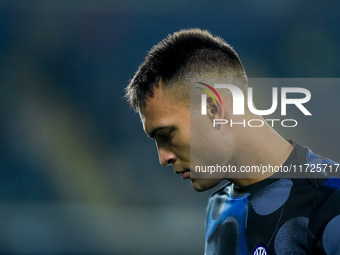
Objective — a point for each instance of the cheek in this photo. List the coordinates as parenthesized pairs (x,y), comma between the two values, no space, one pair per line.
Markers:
(206,148)
(181,144)
(210,146)
(182,137)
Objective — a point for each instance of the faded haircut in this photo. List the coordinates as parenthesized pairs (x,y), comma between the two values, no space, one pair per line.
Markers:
(174,60)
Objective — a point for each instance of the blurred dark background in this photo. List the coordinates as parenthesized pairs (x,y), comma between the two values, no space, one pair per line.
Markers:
(77,173)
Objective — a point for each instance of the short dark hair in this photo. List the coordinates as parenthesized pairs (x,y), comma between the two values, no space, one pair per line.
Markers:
(181,56)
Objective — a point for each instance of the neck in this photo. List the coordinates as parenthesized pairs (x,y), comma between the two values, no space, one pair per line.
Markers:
(256,147)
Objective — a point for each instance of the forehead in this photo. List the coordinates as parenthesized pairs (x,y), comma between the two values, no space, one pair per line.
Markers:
(163,109)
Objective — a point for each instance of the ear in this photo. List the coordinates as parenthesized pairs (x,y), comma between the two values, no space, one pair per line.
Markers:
(214,109)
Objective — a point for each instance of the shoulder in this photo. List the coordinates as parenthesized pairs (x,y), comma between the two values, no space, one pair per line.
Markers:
(317,192)
(222,191)
(218,198)
(324,220)
(313,167)
(324,224)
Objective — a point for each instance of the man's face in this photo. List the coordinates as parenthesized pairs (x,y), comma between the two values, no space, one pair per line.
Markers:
(167,120)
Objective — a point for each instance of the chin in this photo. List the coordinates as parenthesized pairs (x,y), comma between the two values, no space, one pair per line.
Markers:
(202,184)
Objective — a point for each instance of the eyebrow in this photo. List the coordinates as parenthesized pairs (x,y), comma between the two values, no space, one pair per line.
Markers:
(155,130)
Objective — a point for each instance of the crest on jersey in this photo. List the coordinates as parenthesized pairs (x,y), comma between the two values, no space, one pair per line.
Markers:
(260,249)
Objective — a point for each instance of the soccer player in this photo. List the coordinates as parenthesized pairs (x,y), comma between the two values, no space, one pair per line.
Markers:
(272,213)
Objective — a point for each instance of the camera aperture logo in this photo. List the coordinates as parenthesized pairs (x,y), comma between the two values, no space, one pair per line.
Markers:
(204,97)
(239,103)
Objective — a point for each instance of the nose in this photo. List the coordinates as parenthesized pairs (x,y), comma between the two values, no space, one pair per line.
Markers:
(166,157)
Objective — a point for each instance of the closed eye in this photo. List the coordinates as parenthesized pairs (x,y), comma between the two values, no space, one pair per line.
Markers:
(166,136)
